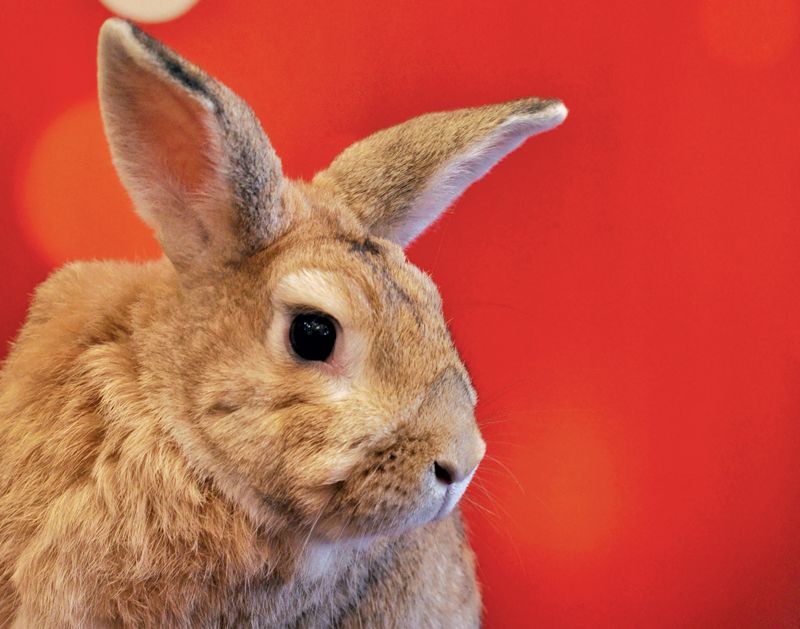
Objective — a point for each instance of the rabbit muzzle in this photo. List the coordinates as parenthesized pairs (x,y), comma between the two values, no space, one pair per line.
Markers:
(453,472)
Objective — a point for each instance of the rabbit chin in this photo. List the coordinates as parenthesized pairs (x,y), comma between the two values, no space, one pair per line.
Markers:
(436,503)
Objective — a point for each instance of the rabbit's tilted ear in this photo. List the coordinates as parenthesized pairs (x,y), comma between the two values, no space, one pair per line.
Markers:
(191,153)
(401,179)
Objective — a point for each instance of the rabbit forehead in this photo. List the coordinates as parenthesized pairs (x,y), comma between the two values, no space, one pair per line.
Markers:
(347,275)
(333,293)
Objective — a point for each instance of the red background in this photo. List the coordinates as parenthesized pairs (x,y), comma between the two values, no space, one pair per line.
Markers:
(625,289)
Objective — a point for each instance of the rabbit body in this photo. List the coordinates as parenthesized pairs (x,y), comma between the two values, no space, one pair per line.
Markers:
(105,522)
(270,426)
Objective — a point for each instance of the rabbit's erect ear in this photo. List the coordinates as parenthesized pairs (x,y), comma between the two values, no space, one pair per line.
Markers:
(191,153)
(401,179)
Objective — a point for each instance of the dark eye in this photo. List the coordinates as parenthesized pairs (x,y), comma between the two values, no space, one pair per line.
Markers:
(312,336)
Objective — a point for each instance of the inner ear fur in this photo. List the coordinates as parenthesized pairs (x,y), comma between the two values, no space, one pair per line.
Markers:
(191,153)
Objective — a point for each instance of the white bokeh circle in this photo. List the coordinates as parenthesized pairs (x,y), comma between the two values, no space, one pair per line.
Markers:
(149,10)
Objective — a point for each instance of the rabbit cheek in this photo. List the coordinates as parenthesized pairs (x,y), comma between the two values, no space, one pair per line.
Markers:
(386,494)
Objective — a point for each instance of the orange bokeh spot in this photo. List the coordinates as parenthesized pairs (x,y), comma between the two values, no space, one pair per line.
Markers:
(571,500)
(73,205)
(750,32)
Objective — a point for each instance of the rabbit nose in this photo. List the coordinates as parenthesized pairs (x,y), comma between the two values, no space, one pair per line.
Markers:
(448,473)
(444,473)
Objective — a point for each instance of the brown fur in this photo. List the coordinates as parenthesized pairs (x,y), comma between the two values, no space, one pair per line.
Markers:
(384,197)
(165,460)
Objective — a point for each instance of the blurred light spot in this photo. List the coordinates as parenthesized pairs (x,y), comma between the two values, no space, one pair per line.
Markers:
(750,32)
(149,10)
(73,206)
(571,494)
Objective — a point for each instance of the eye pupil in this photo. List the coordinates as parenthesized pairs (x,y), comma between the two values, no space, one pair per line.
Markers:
(312,336)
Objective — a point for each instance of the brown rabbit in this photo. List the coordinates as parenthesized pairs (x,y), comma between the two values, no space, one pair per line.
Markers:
(270,426)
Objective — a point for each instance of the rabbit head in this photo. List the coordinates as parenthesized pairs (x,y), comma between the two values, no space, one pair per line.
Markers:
(295,355)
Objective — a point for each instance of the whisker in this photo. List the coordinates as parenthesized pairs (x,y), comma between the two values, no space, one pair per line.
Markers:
(477,505)
(313,526)
(505,467)
(514,444)
(493,422)
(494,501)
(498,393)
(505,532)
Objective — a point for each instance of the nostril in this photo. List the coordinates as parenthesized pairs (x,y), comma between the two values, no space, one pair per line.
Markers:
(443,473)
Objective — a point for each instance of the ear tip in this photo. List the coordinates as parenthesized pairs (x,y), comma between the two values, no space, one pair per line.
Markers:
(556,110)
(114,33)
(546,107)
(546,112)
(118,32)
(114,27)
